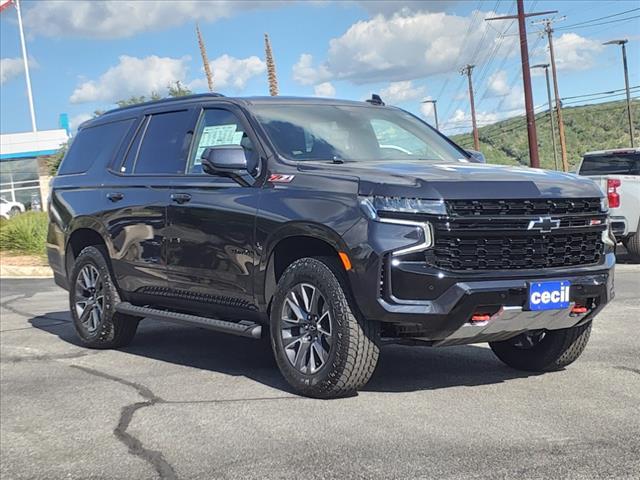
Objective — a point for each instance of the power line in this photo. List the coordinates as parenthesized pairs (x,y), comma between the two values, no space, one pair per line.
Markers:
(494,130)
(600,93)
(601,23)
(603,18)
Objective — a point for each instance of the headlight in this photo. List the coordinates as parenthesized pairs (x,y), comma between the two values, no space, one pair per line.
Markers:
(372,206)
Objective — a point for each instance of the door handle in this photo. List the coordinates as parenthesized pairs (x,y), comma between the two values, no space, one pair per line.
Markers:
(180,197)
(115,196)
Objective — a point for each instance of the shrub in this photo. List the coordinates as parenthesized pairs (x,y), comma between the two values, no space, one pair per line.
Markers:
(24,234)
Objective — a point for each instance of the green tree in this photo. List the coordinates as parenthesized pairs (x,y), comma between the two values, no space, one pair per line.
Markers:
(52,162)
(177,89)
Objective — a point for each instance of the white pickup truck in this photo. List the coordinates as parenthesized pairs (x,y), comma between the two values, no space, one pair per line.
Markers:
(618,173)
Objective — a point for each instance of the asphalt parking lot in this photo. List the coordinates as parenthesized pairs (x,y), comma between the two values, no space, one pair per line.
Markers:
(192,404)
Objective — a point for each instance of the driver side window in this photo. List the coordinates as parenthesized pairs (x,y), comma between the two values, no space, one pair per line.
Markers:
(219,127)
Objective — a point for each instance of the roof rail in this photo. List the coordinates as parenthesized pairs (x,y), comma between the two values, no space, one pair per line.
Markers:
(165,100)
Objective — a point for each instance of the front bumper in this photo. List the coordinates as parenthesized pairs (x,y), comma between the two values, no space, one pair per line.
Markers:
(443,315)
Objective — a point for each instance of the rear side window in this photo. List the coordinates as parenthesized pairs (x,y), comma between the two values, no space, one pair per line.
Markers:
(613,164)
(94,144)
(165,144)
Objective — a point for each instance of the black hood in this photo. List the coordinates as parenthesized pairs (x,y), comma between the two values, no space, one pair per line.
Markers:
(420,179)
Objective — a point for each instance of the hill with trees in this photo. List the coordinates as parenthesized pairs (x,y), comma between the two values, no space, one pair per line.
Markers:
(587,127)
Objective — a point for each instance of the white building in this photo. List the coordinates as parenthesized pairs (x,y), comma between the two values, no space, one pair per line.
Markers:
(20,176)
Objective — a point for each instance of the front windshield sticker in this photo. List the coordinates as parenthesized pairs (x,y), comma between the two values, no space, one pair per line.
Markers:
(218,135)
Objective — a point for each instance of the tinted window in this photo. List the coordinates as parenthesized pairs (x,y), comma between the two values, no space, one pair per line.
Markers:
(134,148)
(220,127)
(165,144)
(621,164)
(94,144)
(352,133)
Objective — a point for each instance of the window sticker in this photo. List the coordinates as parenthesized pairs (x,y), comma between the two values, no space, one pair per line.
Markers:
(215,135)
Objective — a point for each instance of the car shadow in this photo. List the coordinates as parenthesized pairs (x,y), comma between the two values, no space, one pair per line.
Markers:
(400,368)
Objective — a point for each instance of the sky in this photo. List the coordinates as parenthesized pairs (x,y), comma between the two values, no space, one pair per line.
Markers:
(85,55)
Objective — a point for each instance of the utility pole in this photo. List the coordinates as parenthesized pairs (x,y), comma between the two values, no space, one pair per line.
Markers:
(466,70)
(626,82)
(435,111)
(526,79)
(553,126)
(563,143)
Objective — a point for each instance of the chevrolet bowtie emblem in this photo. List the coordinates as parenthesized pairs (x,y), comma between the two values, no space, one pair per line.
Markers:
(544,224)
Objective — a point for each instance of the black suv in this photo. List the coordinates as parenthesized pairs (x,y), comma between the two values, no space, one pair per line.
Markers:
(334,226)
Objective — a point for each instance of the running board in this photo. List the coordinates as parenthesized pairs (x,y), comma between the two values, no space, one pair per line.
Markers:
(244,328)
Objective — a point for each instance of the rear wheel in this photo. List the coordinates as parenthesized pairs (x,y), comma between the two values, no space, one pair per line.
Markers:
(14,211)
(322,347)
(93,297)
(543,351)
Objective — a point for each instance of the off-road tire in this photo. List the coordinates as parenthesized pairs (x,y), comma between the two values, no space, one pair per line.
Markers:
(556,350)
(115,329)
(354,354)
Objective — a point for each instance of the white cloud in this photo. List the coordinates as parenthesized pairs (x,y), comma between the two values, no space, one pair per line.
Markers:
(13,67)
(10,68)
(387,7)
(574,52)
(498,84)
(405,46)
(77,120)
(132,76)
(235,72)
(398,92)
(325,89)
(117,19)
(306,74)
(482,118)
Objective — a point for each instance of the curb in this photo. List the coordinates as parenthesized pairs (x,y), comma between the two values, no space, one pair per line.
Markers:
(14,271)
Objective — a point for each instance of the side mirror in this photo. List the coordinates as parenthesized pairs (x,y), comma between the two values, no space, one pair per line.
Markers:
(476,157)
(227,161)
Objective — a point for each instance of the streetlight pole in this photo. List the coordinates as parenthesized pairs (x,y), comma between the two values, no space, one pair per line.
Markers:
(626,81)
(553,125)
(435,111)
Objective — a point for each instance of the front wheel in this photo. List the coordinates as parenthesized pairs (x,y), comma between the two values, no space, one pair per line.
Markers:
(93,297)
(543,351)
(322,346)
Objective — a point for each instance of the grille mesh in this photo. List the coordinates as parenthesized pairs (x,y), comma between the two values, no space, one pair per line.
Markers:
(493,235)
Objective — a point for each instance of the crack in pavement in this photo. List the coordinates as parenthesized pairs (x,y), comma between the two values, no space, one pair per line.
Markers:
(134,445)
(43,317)
(6,305)
(53,356)
(629,369)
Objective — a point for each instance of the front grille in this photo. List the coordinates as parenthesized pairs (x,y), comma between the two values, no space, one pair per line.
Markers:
(465,208)
(494,235)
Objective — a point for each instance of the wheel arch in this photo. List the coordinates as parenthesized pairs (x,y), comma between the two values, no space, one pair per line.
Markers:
(292,242)
(84,232)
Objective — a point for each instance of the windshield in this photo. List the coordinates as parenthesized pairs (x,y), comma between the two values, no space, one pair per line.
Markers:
(351,133)
(610,164)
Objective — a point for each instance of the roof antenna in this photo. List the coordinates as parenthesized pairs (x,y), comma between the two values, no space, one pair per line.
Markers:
(375,100)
